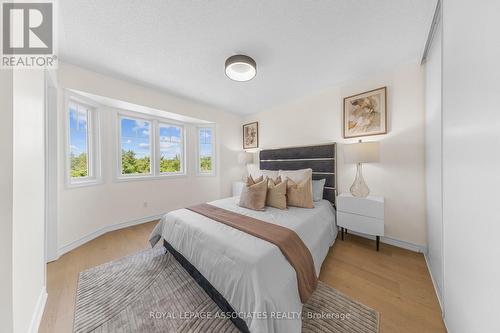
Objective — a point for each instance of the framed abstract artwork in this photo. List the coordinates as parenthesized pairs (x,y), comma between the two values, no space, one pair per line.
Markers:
(251,135)
(365,114)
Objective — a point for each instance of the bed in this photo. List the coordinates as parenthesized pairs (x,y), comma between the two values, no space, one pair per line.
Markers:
(246,274)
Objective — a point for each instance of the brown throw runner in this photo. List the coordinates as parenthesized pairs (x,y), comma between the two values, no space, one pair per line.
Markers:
(286,240)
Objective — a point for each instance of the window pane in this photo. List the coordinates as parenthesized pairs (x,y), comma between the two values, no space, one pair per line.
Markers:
(78,140)
(135,145)
(205,149)
(171,148)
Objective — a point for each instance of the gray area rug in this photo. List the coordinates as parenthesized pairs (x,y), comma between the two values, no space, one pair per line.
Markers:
(151,292)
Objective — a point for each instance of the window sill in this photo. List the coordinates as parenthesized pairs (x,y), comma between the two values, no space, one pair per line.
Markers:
(205,174)
(83,183)
(121,179)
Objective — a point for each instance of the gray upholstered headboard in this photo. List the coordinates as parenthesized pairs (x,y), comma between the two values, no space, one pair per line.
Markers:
(321,159)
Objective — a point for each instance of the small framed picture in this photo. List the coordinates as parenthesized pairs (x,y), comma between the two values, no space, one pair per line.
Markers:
(251,135)
(365,114)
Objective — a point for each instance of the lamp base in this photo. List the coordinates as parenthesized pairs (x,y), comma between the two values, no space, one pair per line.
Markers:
(359,188)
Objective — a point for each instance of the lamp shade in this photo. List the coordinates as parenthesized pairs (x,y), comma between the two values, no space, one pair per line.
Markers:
(245,157)
(362,152)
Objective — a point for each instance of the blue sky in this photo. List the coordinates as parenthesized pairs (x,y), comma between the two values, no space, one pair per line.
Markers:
(205,140)
(135,136)
(170,141)
(78,130)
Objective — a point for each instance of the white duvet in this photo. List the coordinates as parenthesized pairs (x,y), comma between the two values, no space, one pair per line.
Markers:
(252,274)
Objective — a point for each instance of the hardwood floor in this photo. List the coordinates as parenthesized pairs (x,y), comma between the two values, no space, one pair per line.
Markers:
(393,281)
(62,274)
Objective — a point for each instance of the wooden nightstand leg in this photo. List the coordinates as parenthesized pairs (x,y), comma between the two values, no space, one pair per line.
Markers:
(378,242)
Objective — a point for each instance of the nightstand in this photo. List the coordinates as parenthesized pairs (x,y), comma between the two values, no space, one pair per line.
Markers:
(364,215)
(237,187)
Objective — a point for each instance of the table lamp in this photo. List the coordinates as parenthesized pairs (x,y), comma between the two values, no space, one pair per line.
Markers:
(359,153)
(245,158)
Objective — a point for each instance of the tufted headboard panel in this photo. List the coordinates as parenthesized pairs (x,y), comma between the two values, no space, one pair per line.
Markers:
(321,159)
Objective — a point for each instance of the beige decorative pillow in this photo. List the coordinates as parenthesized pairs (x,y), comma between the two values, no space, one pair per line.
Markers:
(251,181)
(253,195)
(299,195)
(276,193)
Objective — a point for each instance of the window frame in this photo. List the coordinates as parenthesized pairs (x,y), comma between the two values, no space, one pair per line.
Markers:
(213,172)
(94,176)
(155,122)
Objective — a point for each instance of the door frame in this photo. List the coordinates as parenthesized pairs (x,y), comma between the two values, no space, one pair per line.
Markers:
(50,137)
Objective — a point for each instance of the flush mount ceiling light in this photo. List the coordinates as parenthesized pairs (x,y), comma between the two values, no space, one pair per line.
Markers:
(240,68)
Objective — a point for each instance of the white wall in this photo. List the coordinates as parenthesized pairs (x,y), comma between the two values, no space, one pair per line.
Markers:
(6,137)
(433,161)
(400,175)
(83,211)
(28,199)
(471,164)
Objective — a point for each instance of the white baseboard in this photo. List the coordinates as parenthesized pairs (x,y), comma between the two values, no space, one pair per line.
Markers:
(79,242)
(38,313)
(436,290)
(396,242)
(51,258)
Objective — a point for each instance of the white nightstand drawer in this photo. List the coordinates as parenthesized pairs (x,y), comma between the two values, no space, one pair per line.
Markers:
(359,223)
(369,206)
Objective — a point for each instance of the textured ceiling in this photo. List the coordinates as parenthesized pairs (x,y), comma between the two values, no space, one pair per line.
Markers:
(300,46)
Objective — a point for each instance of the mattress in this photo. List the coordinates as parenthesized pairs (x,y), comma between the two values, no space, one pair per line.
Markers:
(252,274)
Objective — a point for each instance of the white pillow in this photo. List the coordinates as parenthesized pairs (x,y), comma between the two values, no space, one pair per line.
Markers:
(254,171)
(318,186)
(296,175)
(273,174)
